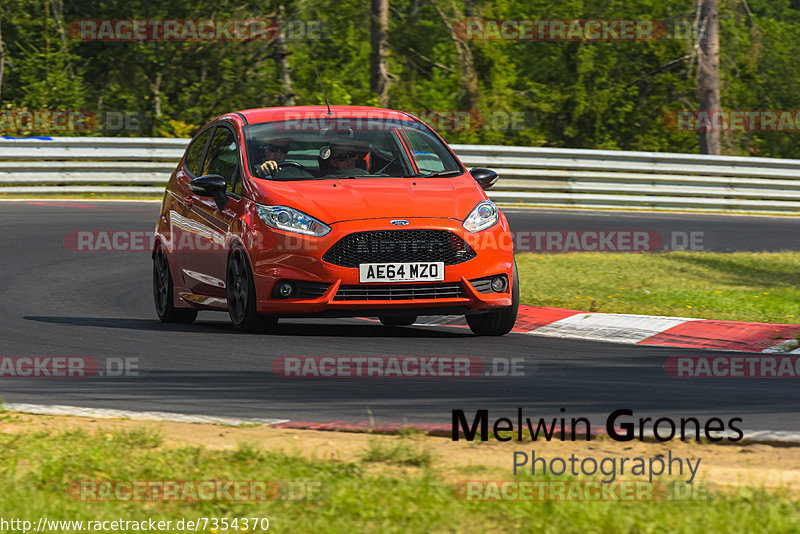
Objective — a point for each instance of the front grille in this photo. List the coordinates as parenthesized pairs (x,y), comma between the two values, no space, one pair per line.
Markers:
(398,246)
(400,292)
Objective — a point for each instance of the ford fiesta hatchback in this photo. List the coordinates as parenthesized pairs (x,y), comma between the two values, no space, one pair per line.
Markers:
(352,211)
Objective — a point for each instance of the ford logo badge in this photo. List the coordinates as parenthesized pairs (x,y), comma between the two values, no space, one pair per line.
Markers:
(399,223)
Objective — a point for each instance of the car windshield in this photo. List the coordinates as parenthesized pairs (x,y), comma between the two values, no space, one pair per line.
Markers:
(321,148)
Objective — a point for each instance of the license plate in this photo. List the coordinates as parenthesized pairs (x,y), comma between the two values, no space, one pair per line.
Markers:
(401,272)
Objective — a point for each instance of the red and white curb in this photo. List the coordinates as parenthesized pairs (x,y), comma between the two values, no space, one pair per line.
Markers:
(649,330)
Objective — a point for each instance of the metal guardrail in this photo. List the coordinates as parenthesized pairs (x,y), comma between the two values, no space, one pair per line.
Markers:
(103,165)
(556,177)
(638,180)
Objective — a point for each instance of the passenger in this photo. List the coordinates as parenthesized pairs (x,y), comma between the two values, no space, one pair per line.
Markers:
(342,158)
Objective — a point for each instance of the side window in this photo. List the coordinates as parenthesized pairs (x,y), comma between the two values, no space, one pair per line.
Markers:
(223,157)
(426,155)
(194,154)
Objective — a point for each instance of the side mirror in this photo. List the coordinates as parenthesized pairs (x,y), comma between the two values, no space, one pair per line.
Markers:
(211,185)
(486,178)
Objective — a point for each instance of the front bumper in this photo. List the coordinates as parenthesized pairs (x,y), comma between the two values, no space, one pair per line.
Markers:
(293,257)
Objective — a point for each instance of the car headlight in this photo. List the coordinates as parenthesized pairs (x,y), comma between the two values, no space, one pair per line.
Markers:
(482,217)
(291,220)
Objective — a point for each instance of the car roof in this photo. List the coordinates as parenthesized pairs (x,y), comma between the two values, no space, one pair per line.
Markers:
(320,112)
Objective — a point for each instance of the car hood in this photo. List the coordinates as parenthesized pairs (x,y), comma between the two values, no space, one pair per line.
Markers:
(339,200)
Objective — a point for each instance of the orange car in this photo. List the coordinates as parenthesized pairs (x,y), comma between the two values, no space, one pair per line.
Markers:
(356,211)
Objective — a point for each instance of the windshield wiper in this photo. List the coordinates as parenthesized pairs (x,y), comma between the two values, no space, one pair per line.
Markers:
(440,173)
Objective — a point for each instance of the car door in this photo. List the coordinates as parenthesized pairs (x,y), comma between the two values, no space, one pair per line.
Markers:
(181,235)
(205,268)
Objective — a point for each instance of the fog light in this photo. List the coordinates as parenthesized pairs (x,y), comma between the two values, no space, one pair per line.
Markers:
(498,284)
(284,290)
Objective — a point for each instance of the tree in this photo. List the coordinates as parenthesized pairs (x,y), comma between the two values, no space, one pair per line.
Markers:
(2,59)
(379,70)
(471,98)
(708,73)
(282,54)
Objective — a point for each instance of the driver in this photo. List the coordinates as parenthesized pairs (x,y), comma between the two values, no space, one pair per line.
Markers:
(275,152)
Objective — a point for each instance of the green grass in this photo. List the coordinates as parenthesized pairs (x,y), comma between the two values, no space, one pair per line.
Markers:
(760,287)
(144,437)
(399,452)
(36,469)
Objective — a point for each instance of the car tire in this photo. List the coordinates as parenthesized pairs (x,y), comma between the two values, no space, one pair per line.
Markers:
(163,289)
(241,296)
(497,322)
(397,320)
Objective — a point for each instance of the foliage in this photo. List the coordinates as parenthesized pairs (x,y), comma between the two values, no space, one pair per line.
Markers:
(583,94)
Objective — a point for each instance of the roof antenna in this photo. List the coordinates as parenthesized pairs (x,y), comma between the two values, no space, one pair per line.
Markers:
(323,91)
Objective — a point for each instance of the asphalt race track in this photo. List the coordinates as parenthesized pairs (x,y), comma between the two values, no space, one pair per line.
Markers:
(57,302)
